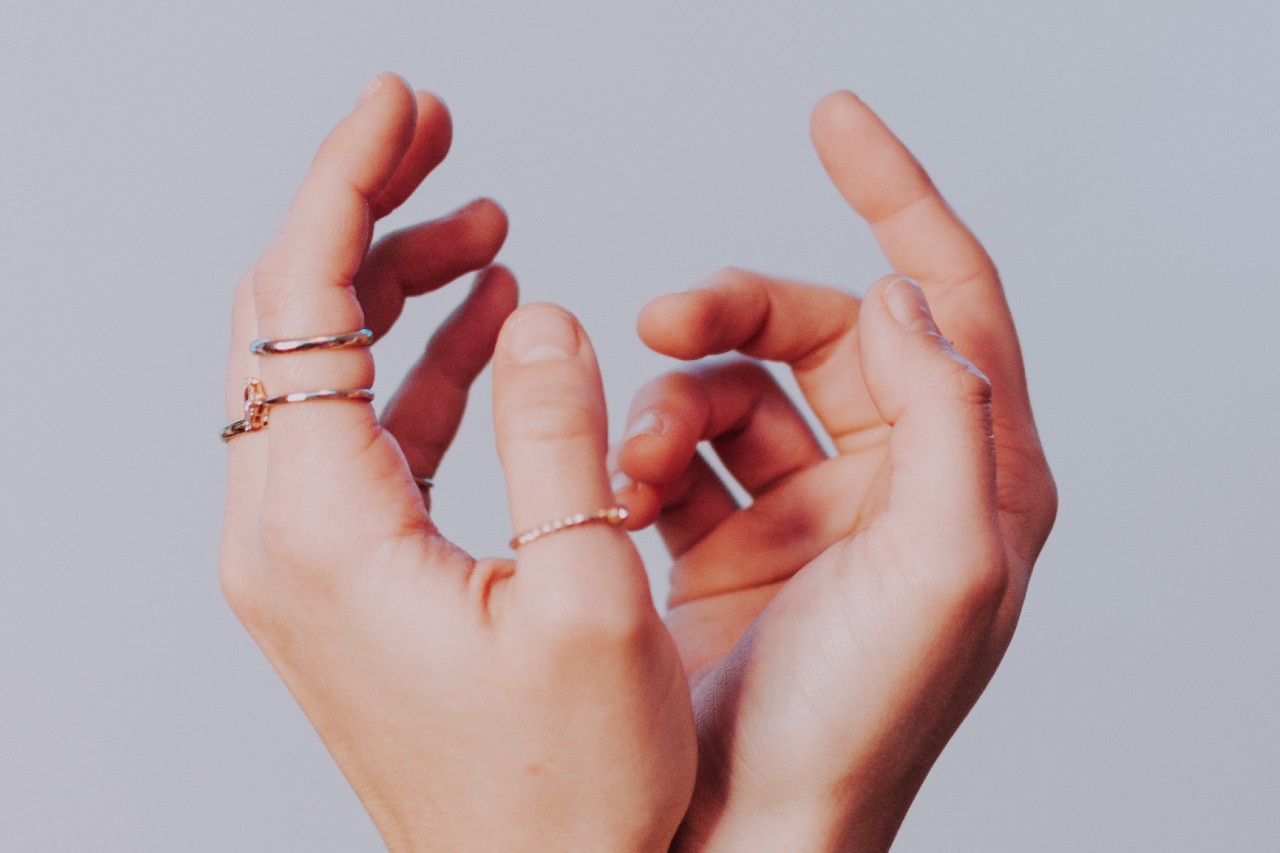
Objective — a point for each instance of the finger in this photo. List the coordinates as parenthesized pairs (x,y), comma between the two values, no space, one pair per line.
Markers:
(302,287)
(685,508)
(752,424)
(811,328)
(432,135)
(425,413)
(941,455)
(549,417)
(425,257)
(921,237)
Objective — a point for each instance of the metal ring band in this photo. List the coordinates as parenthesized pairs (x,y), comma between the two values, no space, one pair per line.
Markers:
(612,516)
(235,428)
(257,405)
(362,394)
(285,346)
(424,483)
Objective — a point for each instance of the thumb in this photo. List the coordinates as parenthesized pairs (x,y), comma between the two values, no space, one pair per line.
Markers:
(941,456)
(549,418)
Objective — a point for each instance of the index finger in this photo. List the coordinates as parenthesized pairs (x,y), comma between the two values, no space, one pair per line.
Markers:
(303,287)
(921,237)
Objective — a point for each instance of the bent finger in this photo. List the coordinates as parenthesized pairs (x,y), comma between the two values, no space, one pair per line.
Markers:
(302,286)
(425,412)
(811,328)
(432,136)
(425,257)
(738,406)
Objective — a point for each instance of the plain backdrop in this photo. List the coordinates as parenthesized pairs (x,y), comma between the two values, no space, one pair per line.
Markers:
(1117,158)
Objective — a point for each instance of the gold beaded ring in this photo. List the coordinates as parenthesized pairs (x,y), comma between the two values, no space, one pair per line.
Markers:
(612,516)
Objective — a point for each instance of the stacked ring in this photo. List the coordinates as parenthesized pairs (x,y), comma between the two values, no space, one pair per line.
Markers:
(257,405)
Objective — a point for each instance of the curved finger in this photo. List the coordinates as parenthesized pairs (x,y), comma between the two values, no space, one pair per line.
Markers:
(811,328)
(425,257)
(302,285)
(432,136)
(685,508)
(425,413)
(921,237)
(735,404)
(549,417)
(751,423)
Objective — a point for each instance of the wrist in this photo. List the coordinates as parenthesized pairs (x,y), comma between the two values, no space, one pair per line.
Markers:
(868,822)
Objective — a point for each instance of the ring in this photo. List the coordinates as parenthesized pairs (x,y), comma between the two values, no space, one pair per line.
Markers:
(424,483)
(257,405)
(284,346)
(612,516)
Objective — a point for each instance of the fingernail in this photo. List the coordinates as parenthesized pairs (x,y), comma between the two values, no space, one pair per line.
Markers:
(370,89)
(620,482)
(906,303)
(647,424)
(542,335)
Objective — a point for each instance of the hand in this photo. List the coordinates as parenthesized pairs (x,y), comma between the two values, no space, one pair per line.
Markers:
(490,704)
(838,629)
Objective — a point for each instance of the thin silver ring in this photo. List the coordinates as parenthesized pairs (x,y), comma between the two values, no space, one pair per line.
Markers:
(285,346)
(364,394)
(424,483)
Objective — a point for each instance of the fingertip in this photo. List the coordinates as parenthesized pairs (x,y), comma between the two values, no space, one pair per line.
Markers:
(834,112)
(434,112)
(641,500)
(658,457)
(384,84)
(670,325)
(490,218)
(498,285)
(540,331)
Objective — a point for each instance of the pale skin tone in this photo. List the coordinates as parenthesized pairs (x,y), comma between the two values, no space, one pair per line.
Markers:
(492,704)
(837,629)
(822,644)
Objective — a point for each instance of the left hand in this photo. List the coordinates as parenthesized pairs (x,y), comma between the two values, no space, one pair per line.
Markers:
(533,703)
(838,629)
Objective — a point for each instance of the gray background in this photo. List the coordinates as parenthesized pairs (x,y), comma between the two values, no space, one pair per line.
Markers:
(1117,159)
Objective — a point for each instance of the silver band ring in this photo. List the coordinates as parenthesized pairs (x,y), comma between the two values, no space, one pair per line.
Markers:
(424,483)
(612,516)
(257,405)
(285,346)
(361,394)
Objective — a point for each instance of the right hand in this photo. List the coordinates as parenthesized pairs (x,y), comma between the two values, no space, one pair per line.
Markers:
(494,704)
(838,629)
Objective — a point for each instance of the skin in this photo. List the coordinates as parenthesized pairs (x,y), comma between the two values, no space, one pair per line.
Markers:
(838,629)
(480,704)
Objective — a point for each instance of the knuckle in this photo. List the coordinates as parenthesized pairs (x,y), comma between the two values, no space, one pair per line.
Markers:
(553,418)
(284,550)
(953,377)
(240,591)
(575,620)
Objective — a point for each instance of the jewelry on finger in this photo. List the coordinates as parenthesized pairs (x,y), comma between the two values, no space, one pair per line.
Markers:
(612,516)
(285,346)
(424,483)
(363,395)
(257,405)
